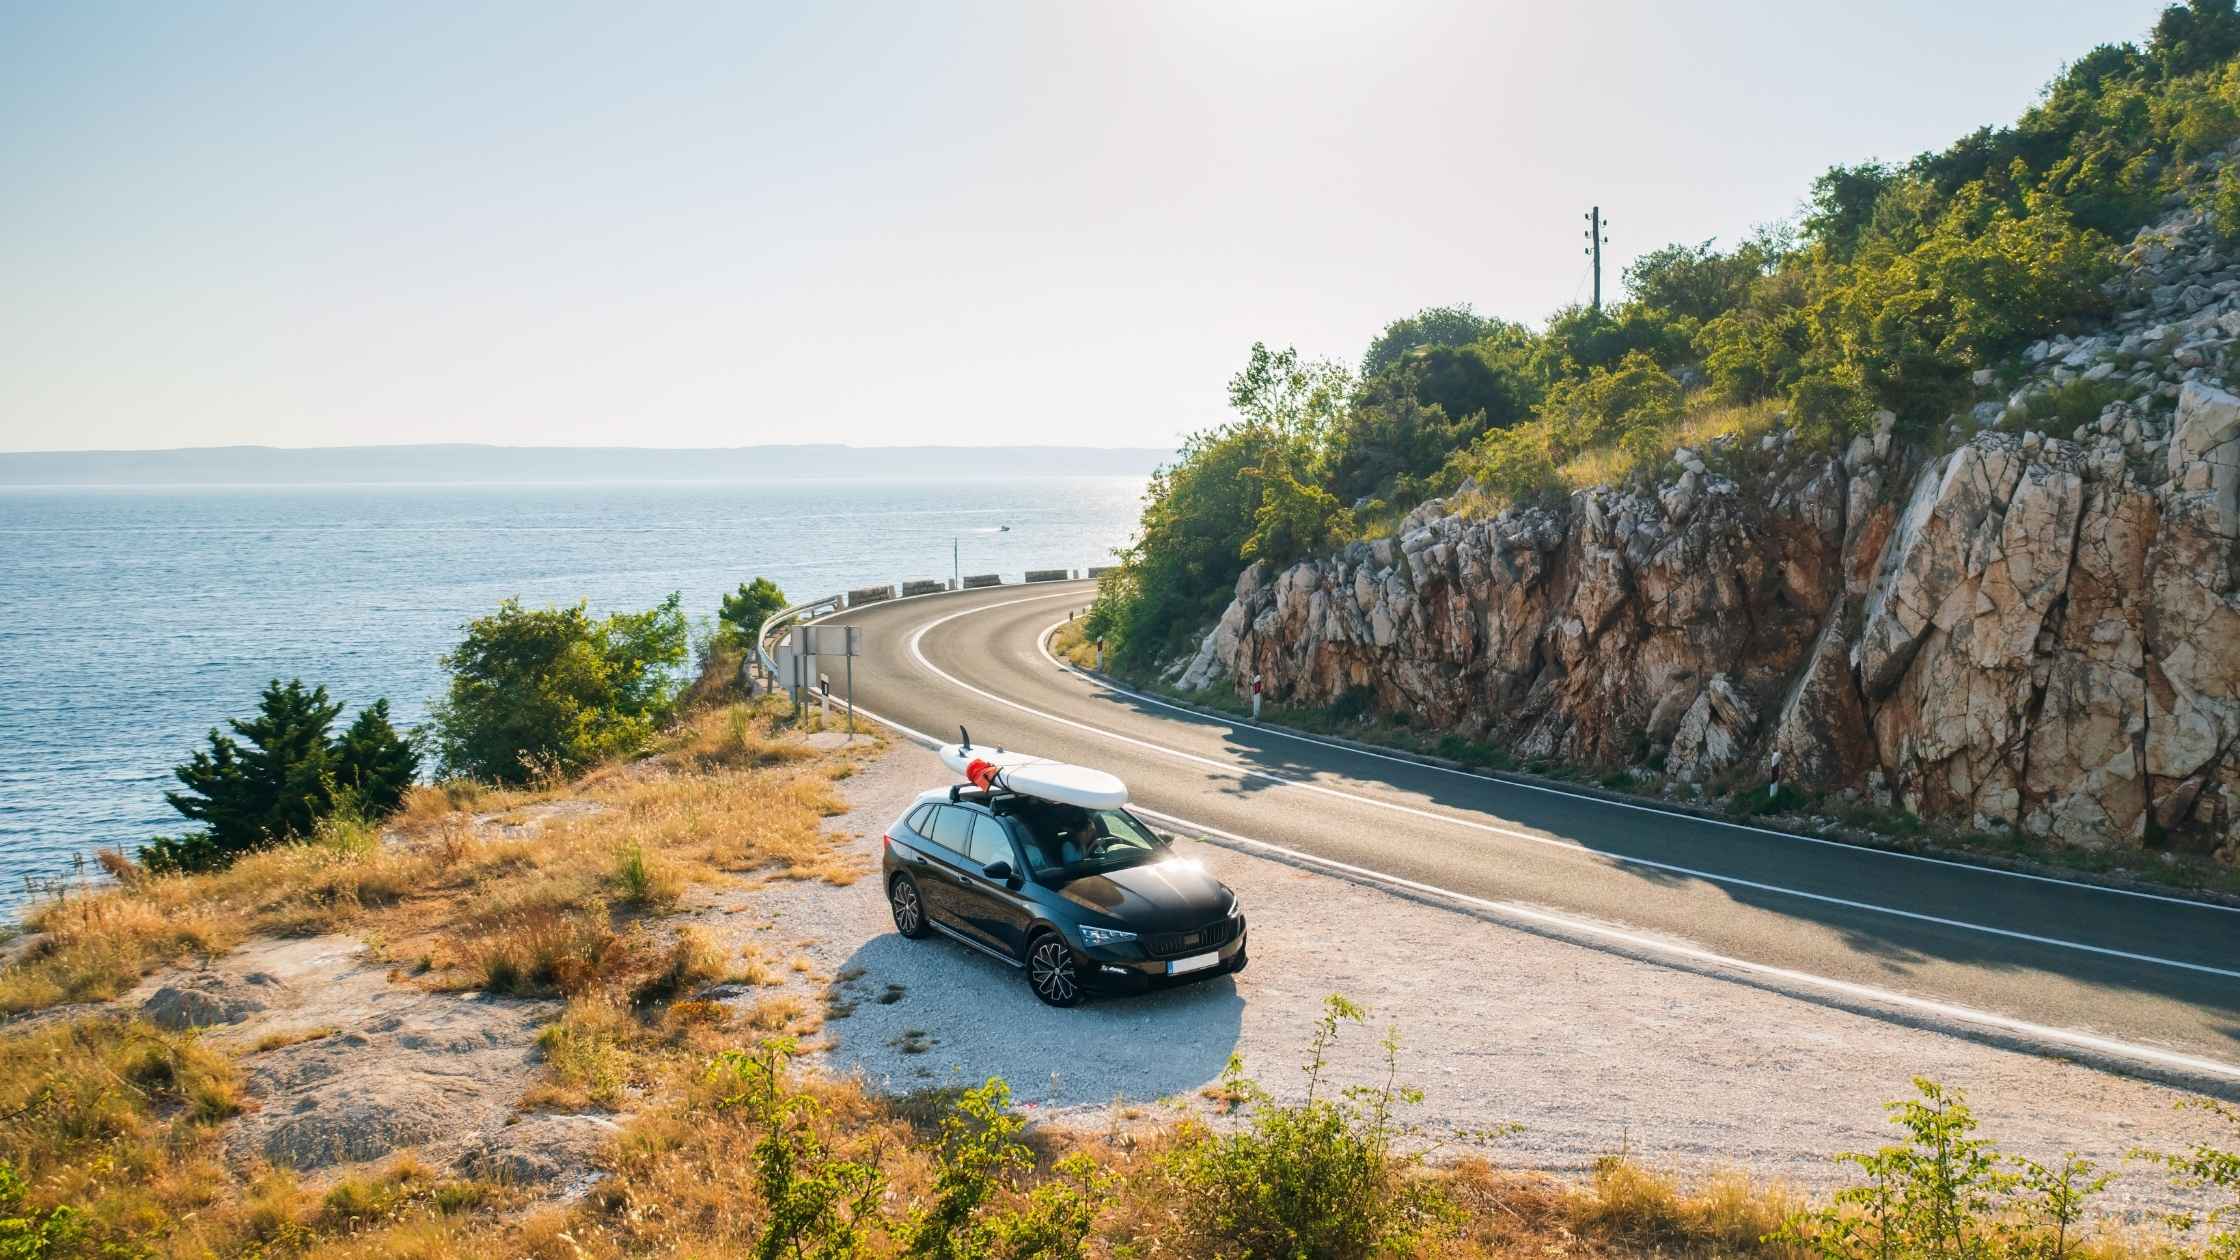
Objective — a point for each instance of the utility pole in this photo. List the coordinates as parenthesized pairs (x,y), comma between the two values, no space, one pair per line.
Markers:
(1595,241)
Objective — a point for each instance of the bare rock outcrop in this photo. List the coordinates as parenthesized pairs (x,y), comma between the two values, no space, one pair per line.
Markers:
(2025,632)
(345,1065)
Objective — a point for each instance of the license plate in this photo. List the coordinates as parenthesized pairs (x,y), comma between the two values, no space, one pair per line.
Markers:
(1195,962)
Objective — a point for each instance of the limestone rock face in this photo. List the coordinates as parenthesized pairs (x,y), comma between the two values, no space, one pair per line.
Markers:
(1715,731)
(2024,632)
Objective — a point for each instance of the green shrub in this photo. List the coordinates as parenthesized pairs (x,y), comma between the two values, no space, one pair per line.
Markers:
(2062,411)
(552,690)
(977,1154)
(282,773)
(744,610)
(28,1233)
(1610,405)
(2212,1169)
(1515,466)
(1295,518)
(1913,319)
(818,1203)
(1319,1180)
(1946,1194)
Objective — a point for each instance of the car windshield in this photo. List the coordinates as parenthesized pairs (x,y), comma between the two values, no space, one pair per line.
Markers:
(1067,841)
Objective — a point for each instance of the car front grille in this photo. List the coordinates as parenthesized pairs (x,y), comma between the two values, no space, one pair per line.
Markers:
(1196,941)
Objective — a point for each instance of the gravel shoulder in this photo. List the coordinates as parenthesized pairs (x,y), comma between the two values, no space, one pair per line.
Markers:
(1592,1052)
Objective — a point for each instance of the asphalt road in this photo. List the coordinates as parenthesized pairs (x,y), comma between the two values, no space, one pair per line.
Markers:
(2159,978)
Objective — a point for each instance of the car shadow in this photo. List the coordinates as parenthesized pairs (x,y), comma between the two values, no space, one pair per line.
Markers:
(910,1015)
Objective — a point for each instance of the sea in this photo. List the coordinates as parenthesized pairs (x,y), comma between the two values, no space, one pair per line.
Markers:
(133,619)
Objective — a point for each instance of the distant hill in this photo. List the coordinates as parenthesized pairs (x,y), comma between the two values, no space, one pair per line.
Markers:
(274,465)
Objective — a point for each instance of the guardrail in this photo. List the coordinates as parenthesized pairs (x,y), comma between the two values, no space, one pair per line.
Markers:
(779,622)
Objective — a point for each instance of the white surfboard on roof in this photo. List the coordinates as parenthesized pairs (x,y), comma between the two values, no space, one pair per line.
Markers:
(1029,775)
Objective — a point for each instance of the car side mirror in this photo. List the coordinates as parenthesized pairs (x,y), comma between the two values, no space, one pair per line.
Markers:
(999,871)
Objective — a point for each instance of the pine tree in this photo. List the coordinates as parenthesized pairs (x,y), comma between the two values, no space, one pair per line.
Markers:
(279,773)
(375,764)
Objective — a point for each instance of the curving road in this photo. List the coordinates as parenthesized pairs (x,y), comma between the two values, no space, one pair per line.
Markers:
(2150,983)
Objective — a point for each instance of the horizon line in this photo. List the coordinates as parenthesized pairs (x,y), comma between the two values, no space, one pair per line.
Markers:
(545,446)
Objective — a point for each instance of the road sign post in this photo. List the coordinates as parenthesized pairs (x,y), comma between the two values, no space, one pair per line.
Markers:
(842,641)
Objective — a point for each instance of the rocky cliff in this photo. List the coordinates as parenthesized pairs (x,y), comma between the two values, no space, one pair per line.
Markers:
(2023,631)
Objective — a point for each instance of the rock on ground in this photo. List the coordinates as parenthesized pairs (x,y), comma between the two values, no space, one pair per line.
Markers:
(383,1066)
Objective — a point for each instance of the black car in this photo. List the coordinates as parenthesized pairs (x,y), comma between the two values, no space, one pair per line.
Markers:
(1085,900)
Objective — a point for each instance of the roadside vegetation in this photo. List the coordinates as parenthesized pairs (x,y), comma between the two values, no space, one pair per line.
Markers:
(1898,283)
(113,1148)
(282,774)
(540,692)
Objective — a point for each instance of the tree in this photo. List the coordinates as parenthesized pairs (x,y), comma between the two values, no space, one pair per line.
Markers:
(279,774)
(1294,518)
(1697,282)
(1456,325)
(745,609)
(1843,201)
(1407,422)
(375,764)
(1635,398)
(555,689)
(1199,513)
(2195,36)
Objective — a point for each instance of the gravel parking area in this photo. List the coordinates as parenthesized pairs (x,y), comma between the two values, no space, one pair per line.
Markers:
(1592,1052)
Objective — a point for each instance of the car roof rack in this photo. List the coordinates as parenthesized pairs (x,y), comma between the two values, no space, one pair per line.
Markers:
(997,802)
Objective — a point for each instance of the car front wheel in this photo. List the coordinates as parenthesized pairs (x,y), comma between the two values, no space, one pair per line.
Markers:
(909,908)
(1050,971)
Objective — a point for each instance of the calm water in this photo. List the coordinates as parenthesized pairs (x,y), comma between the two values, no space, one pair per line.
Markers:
(136,618)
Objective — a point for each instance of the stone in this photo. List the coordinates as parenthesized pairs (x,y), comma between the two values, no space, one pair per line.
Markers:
(2204,454)
(545,1151)
(1713,732)
(203,1002)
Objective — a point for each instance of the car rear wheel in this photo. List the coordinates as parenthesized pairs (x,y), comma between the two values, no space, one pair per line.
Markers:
(1050,971)
(909,908)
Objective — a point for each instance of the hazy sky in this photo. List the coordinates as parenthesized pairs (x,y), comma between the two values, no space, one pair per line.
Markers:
(317,224)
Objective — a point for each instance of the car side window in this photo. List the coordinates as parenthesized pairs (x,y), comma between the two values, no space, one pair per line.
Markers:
(989,844)
(952,829)
(921,820)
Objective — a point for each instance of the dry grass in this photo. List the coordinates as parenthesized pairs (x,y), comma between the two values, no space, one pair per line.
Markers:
(1647,457)
(119,1120)
(545,912)
(1070,643)
(1640,458)
(283,1038)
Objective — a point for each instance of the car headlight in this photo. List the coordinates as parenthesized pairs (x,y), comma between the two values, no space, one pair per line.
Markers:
(1105,936)
(1236,907)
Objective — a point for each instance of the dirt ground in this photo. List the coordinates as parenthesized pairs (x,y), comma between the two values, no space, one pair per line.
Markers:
(1592,1052)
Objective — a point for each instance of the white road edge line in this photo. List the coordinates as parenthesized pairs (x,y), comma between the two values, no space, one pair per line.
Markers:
(1042,645)
(1647,944)
(1509,833)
